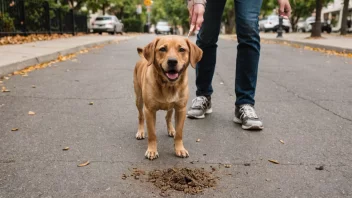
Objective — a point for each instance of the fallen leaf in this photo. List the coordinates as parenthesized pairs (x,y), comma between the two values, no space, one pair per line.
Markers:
(273,161)
(282,141)
(66,148)
(84,164)
(91,103)
(25,75)
(227,165)
(31,113)
(319,168)
(3,89)
(221,83)
(6,78)
(14,129)
(33,86)
(198,140)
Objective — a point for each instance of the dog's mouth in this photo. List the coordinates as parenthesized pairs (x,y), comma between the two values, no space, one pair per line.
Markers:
(172,74)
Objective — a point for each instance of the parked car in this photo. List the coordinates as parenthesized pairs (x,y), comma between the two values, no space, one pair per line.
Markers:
(162,27)
(271,23)
(108,24)
(308,24)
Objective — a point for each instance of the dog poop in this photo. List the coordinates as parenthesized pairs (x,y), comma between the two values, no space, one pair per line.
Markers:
(190,181)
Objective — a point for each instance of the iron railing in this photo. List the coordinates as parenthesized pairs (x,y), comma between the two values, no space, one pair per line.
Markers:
(38,17)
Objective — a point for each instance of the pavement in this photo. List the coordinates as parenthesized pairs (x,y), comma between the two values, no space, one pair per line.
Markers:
(329,41)
(16,57)
(303,97)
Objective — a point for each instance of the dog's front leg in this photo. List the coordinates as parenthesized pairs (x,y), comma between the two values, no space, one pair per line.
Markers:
(180,116)
(150,116)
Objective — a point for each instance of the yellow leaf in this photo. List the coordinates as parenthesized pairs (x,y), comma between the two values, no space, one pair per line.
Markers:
(273,161)
(198,140)
(66,148)
(84,164)
(282,141)
(31,113)
(14,129)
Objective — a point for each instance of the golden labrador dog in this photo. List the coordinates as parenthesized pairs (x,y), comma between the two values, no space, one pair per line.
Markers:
(161,83)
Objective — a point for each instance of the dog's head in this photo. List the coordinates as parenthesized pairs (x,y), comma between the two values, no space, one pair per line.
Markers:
(171,55)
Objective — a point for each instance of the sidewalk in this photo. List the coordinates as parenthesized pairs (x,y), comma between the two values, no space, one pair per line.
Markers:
(329,41)
(16,57)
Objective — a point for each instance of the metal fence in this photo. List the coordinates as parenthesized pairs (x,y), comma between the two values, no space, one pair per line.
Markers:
(37,17)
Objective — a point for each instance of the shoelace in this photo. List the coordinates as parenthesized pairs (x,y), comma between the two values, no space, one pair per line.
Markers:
(248,111)
(199,102)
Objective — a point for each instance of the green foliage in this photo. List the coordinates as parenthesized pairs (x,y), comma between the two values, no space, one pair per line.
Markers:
(6,23)
(132,25)
(228,17)
(175,12)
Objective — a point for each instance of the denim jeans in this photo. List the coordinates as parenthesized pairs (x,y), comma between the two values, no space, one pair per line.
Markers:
(248,48)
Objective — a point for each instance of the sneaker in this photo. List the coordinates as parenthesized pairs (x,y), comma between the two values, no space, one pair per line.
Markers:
(245,115)
(201,105)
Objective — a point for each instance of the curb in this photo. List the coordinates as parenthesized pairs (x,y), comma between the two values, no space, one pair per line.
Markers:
(9,68)
(303,44)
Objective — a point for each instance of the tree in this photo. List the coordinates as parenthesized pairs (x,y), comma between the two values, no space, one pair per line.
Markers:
(229,17)
(344,17)
(300,8)
(316,29)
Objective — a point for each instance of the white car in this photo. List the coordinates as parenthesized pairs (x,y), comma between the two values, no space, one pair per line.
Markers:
(108,24)
(271,23)
(162,27)
(308,24)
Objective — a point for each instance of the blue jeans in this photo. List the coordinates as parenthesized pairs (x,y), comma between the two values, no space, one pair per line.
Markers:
(248,49)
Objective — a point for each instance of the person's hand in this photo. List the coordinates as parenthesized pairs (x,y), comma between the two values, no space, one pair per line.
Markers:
(196,13)
(284,8)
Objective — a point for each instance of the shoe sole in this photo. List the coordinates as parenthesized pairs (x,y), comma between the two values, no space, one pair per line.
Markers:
(253,127)
(208,111)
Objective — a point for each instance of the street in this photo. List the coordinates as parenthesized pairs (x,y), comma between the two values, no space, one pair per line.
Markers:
(303,98)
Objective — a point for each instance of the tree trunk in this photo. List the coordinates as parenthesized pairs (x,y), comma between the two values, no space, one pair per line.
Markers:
(230,25)
(316,29)
(344,17)
(103,8)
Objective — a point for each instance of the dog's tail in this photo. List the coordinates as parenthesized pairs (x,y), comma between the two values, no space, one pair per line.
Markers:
(140,52)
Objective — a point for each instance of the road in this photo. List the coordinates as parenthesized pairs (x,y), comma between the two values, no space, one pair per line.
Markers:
(303,97)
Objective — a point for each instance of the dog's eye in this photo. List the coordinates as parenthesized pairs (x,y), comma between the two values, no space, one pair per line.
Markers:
(182,49)
(163,49)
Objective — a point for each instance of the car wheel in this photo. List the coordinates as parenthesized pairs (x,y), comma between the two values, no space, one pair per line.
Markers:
(100,33)
(287,30)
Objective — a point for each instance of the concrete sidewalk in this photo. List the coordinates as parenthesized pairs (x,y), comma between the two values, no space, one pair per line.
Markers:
(329,41)
(16,57)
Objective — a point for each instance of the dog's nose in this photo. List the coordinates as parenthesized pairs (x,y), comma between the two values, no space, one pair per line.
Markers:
(172,62)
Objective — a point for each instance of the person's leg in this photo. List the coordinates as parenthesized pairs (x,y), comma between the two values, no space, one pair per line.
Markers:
(248,50)
(206,40)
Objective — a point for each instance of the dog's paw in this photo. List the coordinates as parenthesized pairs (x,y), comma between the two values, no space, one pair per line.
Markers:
(140,135)
(150,154)
(171,132)
(182,153)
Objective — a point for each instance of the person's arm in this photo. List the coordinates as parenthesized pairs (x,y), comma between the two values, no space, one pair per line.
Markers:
(196,10)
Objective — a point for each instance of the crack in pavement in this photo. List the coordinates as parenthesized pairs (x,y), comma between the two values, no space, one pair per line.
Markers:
(309,100)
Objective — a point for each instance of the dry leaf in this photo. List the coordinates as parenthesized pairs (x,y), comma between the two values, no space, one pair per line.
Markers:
(25,75)
(84,164)
(282,141)
(273,161)
(3,89)
(31,113)
(227,165)
(198,140)
(221,83)
(91,103)
(14,129)
(66,148)
(33,86)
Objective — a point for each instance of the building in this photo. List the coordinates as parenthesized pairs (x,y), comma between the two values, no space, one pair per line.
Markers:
(333,12)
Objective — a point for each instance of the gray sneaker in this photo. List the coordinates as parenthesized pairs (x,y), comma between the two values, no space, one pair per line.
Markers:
(201,105)
(245,115)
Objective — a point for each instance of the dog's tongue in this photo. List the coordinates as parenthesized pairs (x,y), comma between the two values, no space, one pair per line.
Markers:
(172,76)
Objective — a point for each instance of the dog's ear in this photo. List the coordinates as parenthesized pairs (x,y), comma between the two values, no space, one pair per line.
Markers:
(140,51)
(148,51)
(195,53)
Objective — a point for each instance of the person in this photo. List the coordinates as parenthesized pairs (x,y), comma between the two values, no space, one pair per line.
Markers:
(248,52)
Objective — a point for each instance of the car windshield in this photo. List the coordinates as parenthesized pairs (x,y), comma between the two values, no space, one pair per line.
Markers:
(162,24)
(102,18)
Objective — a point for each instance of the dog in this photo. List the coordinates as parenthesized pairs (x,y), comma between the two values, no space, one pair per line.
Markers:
(161,83)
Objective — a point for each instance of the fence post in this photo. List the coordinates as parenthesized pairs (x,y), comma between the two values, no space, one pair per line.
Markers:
(23,17)
(73,21)
(60,20)
(47,16)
